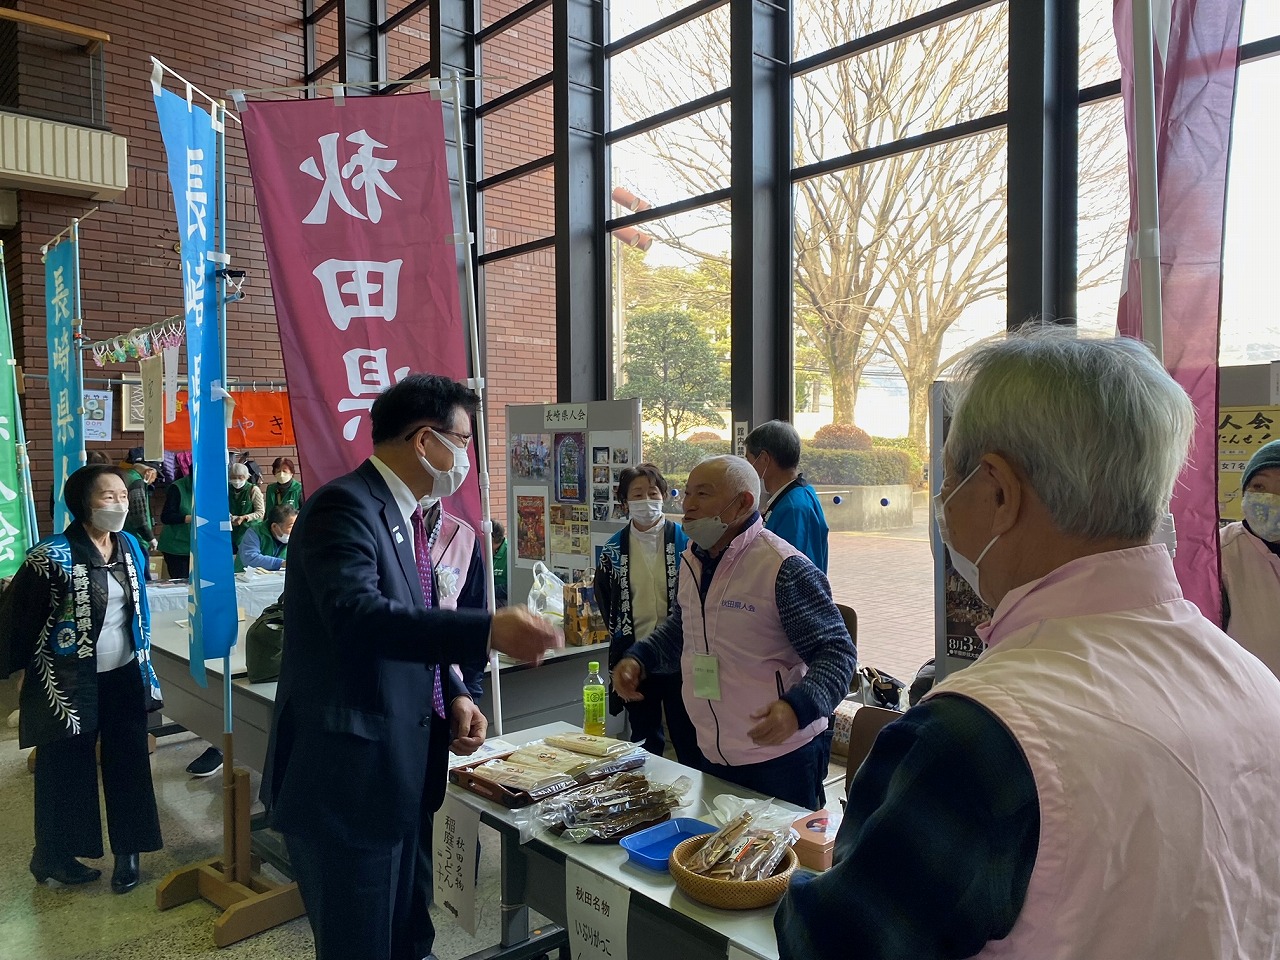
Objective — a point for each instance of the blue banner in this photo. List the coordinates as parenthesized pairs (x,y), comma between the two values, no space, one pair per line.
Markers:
(191,146)
(62,313)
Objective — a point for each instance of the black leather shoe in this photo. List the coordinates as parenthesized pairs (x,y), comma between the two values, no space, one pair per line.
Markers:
(69,871)
(125,876)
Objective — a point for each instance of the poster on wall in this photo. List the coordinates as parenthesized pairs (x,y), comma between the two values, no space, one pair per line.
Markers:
(531,525)
(571,467)
(1242,431)
(97,415)
(530,455)
(570,530)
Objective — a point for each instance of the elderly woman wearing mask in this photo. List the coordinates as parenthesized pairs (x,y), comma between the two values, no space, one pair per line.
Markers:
(1098,783)
(245,502)
(76,620)
(1251,561)
(286,490)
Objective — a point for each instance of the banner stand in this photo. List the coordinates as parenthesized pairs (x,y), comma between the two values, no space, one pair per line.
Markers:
(250,903)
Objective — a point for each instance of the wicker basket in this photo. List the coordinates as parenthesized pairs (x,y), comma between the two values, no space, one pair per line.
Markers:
(728,894)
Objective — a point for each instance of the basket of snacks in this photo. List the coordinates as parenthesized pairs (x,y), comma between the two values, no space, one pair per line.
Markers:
(737,867)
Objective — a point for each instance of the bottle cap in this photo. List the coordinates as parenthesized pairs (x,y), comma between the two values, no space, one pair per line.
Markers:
(594,666)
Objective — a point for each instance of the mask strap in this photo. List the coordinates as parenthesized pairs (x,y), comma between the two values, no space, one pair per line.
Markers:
(985,549)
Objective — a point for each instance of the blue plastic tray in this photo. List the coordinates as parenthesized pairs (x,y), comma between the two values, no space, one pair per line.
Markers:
(651,848)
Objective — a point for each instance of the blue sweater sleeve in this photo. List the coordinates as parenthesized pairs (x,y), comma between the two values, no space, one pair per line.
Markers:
(936,849)
(817,632)
(251,554)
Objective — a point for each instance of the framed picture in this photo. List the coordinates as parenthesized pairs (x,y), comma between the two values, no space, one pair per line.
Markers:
(132,418)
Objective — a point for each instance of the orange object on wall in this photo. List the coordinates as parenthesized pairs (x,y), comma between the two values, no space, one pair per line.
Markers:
(259,419)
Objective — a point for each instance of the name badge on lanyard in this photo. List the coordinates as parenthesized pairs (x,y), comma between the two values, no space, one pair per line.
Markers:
(706,676)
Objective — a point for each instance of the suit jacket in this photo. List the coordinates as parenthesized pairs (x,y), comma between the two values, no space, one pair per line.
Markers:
(355,749)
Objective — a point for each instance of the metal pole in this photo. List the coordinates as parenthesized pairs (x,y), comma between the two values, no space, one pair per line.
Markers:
(1148,239)
(220,231)
(478,384)
(77,337)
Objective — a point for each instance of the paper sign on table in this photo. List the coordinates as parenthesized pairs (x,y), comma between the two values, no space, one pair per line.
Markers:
(454,837)
(596,914)
(490,748)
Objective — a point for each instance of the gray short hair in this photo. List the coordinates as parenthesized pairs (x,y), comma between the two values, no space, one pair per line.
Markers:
(238,470)
(1099,426)
(778,439)
(740,476)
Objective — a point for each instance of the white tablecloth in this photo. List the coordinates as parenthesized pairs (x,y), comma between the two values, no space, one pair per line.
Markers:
(254,593)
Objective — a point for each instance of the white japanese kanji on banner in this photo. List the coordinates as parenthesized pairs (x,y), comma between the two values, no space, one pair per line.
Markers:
(357,220)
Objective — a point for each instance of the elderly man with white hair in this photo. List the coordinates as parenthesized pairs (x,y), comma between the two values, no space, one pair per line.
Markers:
(764,653)
(1102,782)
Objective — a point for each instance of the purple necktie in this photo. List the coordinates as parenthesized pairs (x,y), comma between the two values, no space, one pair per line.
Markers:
(422,553)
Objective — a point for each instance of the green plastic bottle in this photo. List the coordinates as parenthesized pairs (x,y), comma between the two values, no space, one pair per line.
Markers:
(593,701)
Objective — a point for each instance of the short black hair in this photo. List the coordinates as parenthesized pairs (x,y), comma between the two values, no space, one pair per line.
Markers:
(80,485)
(417,400)
(779,440)
(280,513)
(630,475)
(499,531)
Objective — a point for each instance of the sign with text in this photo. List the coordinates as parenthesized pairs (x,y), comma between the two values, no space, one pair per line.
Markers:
(97,415)
(62,314)
(1242,431)
(358,226)
(191,150)
(740,431)
(260,418)
(565,416)
(455,834)
(596,912)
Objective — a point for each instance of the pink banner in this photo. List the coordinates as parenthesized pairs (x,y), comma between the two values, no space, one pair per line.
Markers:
(357,221)
(1196,49)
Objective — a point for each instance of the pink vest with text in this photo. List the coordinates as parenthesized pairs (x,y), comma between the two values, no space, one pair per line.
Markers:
(742,628)
(451,559)
(1251,577)
(1154,741)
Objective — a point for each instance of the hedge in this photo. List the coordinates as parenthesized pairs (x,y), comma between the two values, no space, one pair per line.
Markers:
(680,455)
(859,468)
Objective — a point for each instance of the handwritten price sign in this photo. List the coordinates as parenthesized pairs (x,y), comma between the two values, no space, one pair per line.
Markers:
(597,911)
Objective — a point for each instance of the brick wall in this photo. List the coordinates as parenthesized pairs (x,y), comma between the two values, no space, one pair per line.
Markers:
(129,257)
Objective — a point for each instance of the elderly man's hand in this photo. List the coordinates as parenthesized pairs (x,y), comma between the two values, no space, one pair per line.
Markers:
(467,726)
(777,722)
(626,679)
(522,635)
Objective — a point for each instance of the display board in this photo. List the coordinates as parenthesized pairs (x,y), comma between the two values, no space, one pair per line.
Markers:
(563,462)
(957,609)
(1248,419)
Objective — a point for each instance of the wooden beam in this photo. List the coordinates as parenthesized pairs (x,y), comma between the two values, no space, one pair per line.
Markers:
(93,39)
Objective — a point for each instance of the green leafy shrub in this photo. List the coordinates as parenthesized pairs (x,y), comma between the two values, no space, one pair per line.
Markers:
(859,468)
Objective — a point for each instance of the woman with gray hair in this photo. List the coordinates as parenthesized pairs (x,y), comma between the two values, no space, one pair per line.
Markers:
(1098,784)
(245,502)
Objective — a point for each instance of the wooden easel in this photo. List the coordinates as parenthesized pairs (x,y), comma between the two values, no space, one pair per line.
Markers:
(250,903)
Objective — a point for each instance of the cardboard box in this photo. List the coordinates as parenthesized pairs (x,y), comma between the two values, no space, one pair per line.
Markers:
(817,838)
(845,710)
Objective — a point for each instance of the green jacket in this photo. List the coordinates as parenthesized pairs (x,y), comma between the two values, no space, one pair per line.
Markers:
(139,521)
(500,575)
(175,538)
(240,503)
(292,495)
(260,548)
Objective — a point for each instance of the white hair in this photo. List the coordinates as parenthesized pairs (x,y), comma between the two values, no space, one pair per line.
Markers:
(238,470)
(1100,428)
(739,476)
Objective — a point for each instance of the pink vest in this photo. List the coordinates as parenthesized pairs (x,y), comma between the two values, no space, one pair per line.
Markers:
(1251,577)
(743,629)
(1154,741)
(451,559)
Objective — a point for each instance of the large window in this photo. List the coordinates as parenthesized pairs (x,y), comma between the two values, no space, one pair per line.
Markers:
(899,262)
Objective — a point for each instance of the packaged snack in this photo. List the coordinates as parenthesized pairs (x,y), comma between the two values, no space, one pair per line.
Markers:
(719,845)
(590,745)
(612,807)
(539,754)
(519,777)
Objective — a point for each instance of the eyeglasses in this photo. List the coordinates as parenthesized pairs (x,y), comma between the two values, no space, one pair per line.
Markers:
(462,438)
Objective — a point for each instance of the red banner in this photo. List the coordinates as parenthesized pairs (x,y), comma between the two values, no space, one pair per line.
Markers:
(259,420)
(357,221)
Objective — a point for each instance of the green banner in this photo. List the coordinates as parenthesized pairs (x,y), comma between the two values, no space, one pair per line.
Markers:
(17,508)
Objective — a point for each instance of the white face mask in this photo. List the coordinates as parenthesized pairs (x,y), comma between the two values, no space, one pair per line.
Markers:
(238,483)
(644,513)
(963,565)
(282,538)
(448,482)
(283,477)
(1262,510)
(110,518)
(706,531)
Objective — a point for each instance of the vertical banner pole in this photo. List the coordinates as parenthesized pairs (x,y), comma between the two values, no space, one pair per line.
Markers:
(220,231)
(478,381)
(1148,240)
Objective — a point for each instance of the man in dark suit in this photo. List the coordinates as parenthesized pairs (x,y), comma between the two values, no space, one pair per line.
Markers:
(367,708)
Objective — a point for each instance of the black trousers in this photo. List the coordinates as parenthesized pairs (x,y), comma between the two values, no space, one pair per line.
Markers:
(663,692)
(358,899)
(68,822)
(179,566)
(795,776)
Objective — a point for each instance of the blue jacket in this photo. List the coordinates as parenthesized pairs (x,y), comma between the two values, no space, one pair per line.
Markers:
(796,516)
